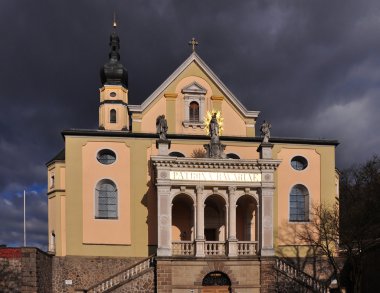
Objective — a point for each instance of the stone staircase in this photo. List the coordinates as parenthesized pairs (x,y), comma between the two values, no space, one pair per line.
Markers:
(306,282)
(120,282)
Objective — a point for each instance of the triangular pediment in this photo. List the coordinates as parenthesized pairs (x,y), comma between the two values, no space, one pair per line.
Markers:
(194,88)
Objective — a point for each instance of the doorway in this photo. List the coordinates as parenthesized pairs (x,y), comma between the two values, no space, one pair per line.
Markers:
(216,282)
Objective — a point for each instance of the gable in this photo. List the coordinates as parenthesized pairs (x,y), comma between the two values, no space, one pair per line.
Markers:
(193,85)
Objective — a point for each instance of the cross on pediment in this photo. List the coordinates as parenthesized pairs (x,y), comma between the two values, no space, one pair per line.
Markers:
(193,43)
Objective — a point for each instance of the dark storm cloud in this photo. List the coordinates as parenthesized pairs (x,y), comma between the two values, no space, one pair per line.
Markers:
(311,67)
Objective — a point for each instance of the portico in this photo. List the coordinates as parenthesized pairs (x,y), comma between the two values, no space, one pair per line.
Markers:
(214,207)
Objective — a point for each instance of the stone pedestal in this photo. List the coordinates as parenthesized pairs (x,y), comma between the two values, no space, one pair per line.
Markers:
(215,150)
(163,146)
(265,150)
(232,247)
(200,248)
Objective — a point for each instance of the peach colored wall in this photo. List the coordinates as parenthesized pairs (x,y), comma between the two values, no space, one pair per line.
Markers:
(96,231)
(233,124)
(187,147)
(148,123)
(287,178)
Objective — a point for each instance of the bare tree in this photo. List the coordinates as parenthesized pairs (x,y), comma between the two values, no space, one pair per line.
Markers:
(350,228)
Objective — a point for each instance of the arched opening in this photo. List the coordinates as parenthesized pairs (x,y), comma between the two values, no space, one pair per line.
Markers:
(246,218)
(176,154)
(182,225)
(233,156)
(182,218)
(216,282)
(215,218)
(194,112)
(113,116)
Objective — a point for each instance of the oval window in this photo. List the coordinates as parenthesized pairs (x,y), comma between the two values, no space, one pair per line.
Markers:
(299,163)
(106,157)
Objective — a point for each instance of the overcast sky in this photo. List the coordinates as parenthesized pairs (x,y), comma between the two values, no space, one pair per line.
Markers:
(311,67)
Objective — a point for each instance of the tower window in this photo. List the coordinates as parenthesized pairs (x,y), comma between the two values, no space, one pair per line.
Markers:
(299,163)
(106,200)
(113,116)
(194,112)
(299,204)
(106,157)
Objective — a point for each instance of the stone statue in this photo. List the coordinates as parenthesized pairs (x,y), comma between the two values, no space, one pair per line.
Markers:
(214,128)
(265,131)
(162,127)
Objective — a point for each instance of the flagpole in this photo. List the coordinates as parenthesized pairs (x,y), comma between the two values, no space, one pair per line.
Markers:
(24,223)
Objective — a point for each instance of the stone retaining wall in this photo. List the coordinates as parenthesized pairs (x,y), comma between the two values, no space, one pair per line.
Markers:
(81,272)
(25,270)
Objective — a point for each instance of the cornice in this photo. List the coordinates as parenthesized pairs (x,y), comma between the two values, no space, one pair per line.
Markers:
(213,164)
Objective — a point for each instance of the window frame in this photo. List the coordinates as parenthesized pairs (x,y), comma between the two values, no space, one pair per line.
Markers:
(306,206)
(97,195)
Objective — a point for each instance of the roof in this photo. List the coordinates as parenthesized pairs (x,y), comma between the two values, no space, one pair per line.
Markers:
(105,133)
(58,157)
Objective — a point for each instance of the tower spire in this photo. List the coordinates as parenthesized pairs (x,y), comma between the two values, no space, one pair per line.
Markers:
(113,72)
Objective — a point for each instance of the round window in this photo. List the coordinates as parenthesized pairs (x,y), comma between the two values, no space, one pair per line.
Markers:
(113,94)
(106,157)
(299,163)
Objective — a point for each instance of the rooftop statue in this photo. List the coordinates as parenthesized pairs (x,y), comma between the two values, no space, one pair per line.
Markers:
(214,129)
(265,131)
(162,127)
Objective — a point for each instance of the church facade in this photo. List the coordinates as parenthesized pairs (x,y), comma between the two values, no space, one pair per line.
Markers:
(187,179)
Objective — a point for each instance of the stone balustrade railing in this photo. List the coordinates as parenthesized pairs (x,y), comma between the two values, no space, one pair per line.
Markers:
(183,248)
(300,276)
(122,277)
(247,247)
(215,248)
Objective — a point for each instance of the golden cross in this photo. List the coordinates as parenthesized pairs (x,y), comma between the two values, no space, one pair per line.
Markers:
(193,43)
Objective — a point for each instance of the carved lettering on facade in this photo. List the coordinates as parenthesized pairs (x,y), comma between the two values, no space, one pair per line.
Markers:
(215,176)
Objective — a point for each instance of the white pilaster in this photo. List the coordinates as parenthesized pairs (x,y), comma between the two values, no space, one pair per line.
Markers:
(200,239)
(232,240)
(164,221)
(267,221)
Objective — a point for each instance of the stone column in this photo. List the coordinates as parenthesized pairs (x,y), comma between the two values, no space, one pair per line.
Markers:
(164,221)
(232,240)
(266,239)
(200,239)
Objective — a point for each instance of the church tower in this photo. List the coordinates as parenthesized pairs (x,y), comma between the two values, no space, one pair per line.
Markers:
(113,108)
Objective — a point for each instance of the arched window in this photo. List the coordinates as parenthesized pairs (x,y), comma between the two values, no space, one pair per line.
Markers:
(113,116)
(232,156)
(106,200)
(176,154)
(194,112)
(299,204)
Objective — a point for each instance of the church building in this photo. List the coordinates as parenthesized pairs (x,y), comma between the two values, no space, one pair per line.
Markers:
(186,188)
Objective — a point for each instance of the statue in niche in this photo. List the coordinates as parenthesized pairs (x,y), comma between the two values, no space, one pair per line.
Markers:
(214,128)
(161,127)
(265,131)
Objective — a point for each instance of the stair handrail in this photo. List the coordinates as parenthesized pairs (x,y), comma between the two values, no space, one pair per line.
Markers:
(129,272)
(300,276)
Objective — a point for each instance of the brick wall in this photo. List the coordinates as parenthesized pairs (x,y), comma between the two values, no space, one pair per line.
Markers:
(143,283)
(25,270)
